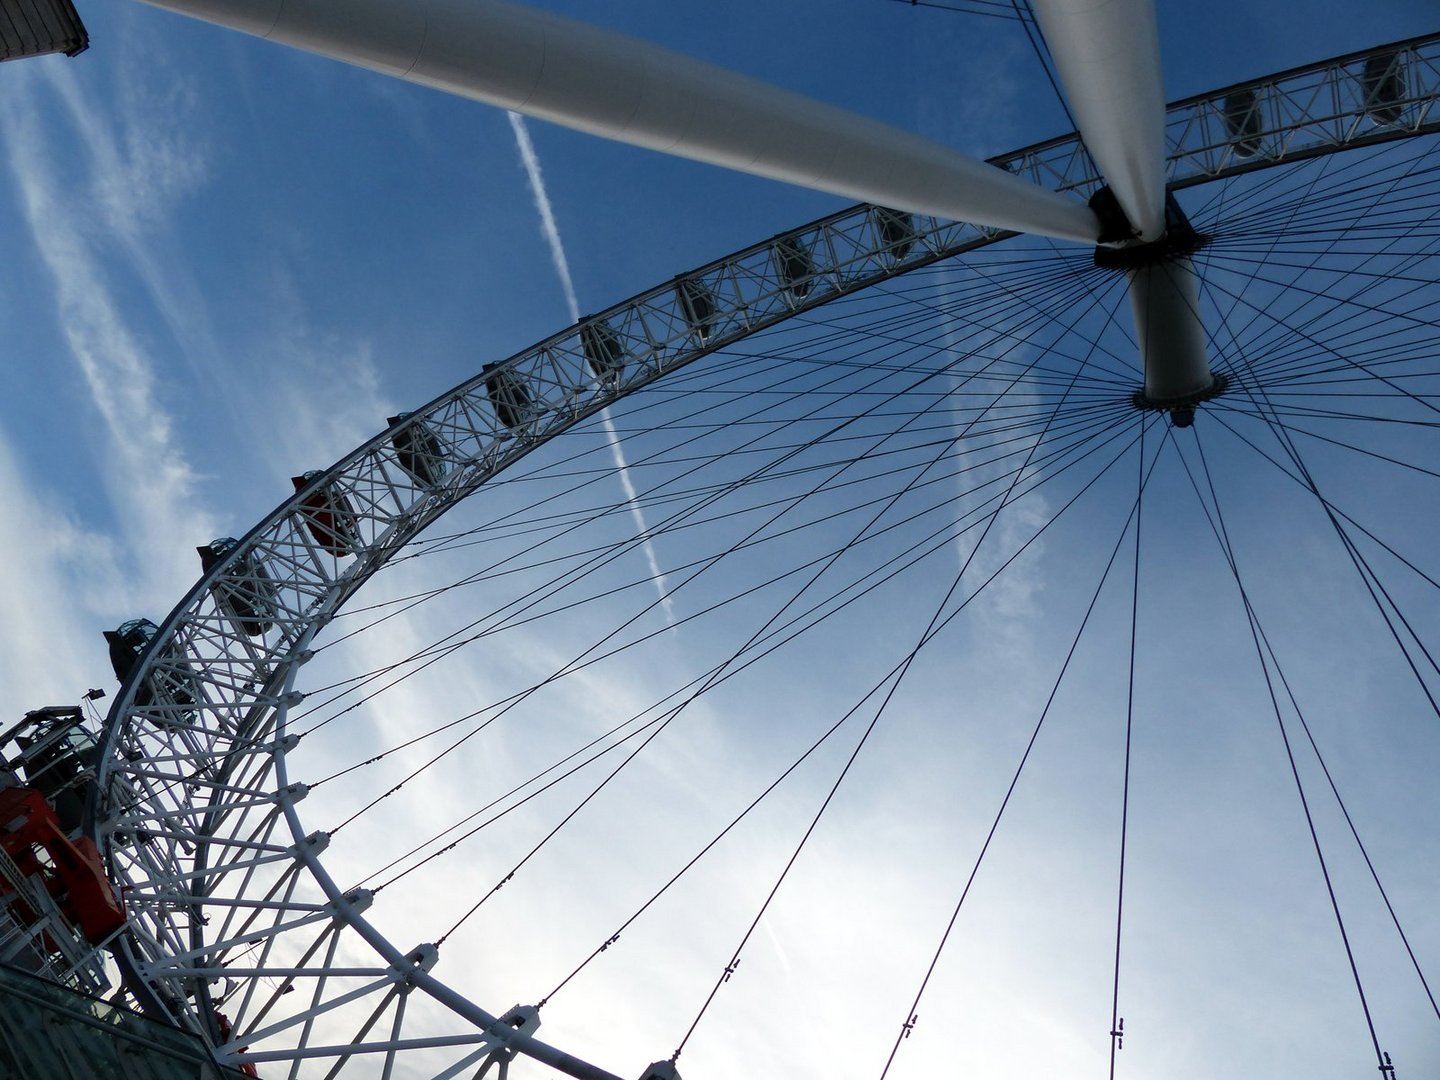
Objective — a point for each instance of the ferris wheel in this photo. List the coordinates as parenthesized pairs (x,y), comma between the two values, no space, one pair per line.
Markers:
(860,498)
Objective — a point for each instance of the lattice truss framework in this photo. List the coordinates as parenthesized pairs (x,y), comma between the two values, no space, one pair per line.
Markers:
(196,812)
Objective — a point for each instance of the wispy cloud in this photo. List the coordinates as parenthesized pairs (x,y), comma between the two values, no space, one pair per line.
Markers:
(48,555)
(1008,604)
(551,231)
(147,155)
(144,160)
(322,416)
(146,470)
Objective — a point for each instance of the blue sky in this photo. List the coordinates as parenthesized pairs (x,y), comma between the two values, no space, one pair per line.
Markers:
(228,263)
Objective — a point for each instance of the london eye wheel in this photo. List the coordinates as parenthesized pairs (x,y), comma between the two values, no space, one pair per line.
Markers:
(846,636)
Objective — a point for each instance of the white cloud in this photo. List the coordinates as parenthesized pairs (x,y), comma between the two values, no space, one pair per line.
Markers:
(145,467)
(146,150)
(148,155)
(60,580)
(145,159)
(322,395)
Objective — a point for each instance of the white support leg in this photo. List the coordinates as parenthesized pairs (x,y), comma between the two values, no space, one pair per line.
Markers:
(1165,300)
(1108,53)
(608,84)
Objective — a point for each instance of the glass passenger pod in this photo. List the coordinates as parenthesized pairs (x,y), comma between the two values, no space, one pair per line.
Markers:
(329,516)
(418,450)
(172,684)
(603,351)
(697,304)
(127,642)
(1242,122)
(509,397)
(1384,82)
(58,758)
(246,592)
(897,232)
(794,265)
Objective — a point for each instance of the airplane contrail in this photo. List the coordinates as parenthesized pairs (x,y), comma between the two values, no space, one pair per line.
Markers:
(551,231)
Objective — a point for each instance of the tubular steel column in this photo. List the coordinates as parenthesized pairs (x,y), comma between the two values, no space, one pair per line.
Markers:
(1108,54)
(608,84)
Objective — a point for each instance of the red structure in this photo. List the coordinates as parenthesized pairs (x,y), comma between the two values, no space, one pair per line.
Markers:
(329,517)
(71,870)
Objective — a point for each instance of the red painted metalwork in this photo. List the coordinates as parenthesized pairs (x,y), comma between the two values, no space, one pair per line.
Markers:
(71,870)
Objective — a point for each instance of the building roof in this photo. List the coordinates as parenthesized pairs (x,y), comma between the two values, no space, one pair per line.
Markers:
(36,27)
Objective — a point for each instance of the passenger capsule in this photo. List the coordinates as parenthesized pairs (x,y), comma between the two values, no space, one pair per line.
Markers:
(1384,82)
(127,642)
(603,351)
(246,592)
(59,758)
(793,263)
(697,303)
(329,516)
(508,396)
(1242,121)
(897,232)
(418,450)
(172,684)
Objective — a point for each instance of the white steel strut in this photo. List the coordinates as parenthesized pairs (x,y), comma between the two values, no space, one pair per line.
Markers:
(1108,55)
(615,86)
(194,810)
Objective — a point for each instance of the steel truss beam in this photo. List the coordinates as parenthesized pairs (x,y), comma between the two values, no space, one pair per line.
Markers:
(1292,115)
(192,784)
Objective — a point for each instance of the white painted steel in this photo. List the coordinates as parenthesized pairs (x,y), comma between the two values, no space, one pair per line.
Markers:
(1108,53)
(216,758)
(218,754)
(1165,300)
(412,968)
(608,84)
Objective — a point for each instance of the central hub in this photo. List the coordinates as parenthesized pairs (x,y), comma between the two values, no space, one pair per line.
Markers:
(1119,250)
(1182,411)
(1165,303)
